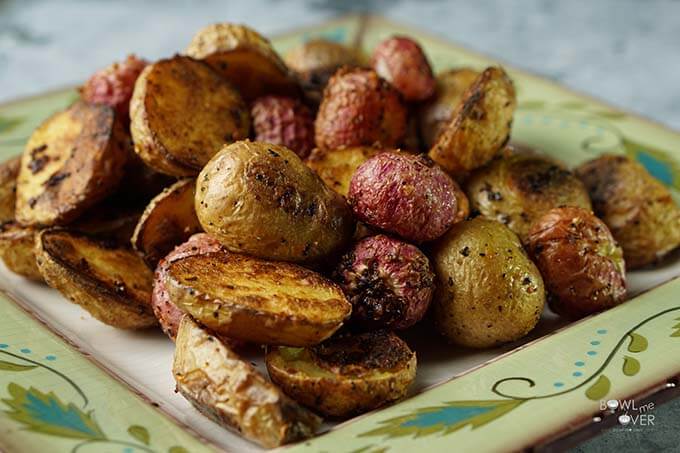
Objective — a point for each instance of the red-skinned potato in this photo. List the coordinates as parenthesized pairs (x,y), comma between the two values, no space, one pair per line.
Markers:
(404,194)
(359,109)
(402,62)
(284,121)
(581,263)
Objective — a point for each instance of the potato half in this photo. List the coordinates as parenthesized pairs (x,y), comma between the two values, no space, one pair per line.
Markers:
(480,125)
(111,283)
(245,58)
(9,170)
(255,300)
(72,161)
(230,391)
(167,221)
(17,250)
(182,112)
(346,375)
(336,167)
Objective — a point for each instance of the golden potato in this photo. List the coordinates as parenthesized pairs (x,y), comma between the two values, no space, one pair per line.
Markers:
(181,113)
(167,221)
(437,113)
(230,391)
(113,284)
(336,167)
(9,170)
(262,200)
(518,189)
(245,58)
(17,250)
(489,291)
(345,375)
(480,125)
(637,208)
(257,301)
(72,161)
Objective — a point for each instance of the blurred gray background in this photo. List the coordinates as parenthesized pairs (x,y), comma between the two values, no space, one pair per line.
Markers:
(623,51)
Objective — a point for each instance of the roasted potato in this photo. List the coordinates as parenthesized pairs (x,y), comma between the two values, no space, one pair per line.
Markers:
(9,170)
(245,58)
(516,190)
(261,199)
(388,282)
(580,261)
(72,161)
(637,208)
(404,194)
(402,62)
(113,86)
(112,283)
(167,221)
(480,125)
(437,113)
(284,121)
(17,250)
(230,391)
(182,112)
(489,292)
(255,300)
(359,109)
(335,167)
(345,375)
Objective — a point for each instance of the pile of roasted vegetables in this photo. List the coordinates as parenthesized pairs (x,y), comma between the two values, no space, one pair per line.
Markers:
(316,205)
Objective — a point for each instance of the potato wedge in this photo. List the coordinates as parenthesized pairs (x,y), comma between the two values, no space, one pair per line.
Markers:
(17,250)
(182,112)
(245,58)
(72,161)
(230,391)
(112,283)
(168,220)
(345,375)
(255,300)
(336,167)
(9,170)
(480,125)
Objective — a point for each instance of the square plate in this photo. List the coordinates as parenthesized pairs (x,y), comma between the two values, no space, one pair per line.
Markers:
(68,382)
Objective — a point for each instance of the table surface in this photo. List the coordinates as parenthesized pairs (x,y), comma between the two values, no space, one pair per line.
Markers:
(623,51)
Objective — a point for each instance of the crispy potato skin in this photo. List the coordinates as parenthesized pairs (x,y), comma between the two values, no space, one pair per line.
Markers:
(168,314)
(336,167)
(435,114)
(480,125)
(17,250)
(489,292)
(167,221)
(72,161)
(345,375)
(404,194)
(230,391)
(112,284)
(113,86)
(257,301)
(580,261)
(388,282)
(245,58)
(284,121)
(639,210)
(182,112)
(262,200)
(518,189)
(9,170)
(359,109)
(402,62)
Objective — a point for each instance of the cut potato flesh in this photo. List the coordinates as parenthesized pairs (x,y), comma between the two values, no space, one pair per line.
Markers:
(336,167)
(111,283)
(169,220)
(346,375)
(72,161)
(17,251)
(8,187)
(255,300)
